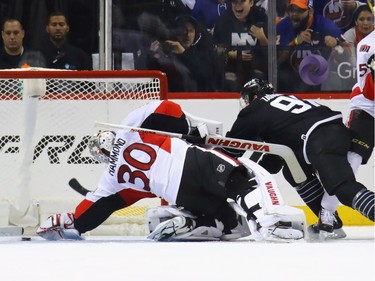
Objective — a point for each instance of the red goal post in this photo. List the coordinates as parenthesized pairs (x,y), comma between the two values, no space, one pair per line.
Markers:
(93,84)
(47,117)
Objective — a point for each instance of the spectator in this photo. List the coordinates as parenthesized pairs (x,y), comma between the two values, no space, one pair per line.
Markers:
(281,10)
(12,34)
(240,35)
(59,54)
(363,25)
(129,10)
(301,33)
(186,56)
(339,11)
(207,12)
(13,54)
(262,3)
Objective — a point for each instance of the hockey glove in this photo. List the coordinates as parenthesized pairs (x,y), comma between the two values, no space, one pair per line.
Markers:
(59,227)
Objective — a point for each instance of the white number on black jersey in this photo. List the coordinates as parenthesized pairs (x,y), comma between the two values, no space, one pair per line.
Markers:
(292,104)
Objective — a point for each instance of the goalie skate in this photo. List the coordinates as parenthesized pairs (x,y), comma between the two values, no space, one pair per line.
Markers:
(283,230)
(171,228)
(202,233)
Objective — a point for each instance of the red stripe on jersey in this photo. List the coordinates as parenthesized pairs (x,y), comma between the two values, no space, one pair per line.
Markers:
(368,88)
(131,195)
(169,108)
(82,208)
(355,92)
(350,119)
(163,142)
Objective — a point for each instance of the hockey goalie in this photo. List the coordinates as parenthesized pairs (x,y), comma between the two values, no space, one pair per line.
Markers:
(212,196)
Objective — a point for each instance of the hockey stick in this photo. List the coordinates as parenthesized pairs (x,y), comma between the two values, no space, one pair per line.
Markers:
(284,151)
(11,231)
(74,184)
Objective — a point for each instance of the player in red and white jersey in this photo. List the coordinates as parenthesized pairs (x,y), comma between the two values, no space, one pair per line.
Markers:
(361,118)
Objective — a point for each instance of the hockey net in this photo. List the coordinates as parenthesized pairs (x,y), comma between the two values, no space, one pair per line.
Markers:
(47,118)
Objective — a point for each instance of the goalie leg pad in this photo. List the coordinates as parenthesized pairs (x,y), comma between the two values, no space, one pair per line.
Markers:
(204,126)
(251,207)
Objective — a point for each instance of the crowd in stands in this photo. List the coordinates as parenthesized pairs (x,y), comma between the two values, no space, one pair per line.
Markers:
(202,45)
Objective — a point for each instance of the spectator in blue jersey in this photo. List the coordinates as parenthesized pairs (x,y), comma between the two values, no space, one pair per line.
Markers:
(339,11)
(207,12)
(301,33)
(241,38)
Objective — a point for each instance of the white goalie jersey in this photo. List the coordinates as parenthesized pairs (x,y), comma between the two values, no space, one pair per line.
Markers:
(143,161)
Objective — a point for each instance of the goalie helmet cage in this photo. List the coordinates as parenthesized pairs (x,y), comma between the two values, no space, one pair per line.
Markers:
(47,117)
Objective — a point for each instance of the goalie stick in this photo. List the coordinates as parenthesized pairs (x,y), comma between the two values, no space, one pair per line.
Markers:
(74,184)
(11,231)
(284,151)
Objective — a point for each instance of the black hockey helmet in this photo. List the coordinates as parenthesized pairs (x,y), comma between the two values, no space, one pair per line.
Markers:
(257,87)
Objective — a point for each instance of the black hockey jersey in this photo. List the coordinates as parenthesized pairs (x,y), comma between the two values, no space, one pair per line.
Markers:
(281,119)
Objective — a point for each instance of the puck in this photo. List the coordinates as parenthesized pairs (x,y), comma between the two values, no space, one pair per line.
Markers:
(25,238)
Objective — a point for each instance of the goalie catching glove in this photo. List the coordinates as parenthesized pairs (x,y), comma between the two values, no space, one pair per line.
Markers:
(59,227)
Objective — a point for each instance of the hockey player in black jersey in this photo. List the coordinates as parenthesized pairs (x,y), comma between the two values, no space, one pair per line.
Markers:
(319,139)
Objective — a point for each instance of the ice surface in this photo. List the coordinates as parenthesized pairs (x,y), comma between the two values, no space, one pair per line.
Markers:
(134,258)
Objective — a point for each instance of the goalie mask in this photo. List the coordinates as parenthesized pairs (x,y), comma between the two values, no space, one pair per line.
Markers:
(100,145)
(254,87)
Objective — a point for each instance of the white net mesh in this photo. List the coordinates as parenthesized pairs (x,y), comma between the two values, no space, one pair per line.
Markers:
(82,85)
(47,118)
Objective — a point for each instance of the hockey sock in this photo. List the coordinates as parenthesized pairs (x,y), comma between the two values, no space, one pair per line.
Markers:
(330,202)
(311,193)
(364,203)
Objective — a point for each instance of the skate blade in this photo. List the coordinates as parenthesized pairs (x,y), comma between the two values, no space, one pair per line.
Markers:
(313,235)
